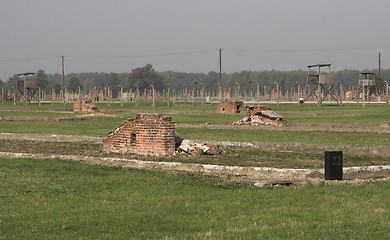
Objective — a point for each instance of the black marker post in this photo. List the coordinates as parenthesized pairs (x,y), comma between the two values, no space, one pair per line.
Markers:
(333,165)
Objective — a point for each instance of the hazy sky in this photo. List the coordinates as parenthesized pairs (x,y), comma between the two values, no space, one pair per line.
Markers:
(185,35)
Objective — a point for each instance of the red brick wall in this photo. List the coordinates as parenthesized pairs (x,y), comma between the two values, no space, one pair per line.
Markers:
(230,107)
(253,110)
(147,134)
(82,106)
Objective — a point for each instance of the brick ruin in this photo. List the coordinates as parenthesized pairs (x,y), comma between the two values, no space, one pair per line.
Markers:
(261,115)
(146,134)
(83,106)
(230,107)
(253,110)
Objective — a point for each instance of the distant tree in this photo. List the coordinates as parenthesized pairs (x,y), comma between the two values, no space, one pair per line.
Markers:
(41,80)
(211,80)
(113,82)
(74,84)
(146,76)
(2,86)
(93,79)
(55,82)
(12,81)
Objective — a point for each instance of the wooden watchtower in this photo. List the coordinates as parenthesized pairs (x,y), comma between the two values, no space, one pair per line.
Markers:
(367,86)
(320,83)
(26,88)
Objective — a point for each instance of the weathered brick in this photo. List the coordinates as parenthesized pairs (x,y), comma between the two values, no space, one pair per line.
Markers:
(154,136)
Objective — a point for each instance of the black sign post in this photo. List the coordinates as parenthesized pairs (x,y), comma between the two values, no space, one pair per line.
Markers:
(333,165)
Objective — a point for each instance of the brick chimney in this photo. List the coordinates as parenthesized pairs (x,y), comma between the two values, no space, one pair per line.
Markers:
(146,134)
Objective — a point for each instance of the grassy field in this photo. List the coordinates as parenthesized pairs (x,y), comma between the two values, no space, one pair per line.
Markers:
(207,133)
(348,127)
(357,118)
(53,199)
(43,199)
(233,156)
(288,136)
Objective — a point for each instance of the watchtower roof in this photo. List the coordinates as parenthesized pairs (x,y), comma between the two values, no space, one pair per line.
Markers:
(320,65)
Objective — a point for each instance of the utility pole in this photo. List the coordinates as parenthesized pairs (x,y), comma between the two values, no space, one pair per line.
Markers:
(63,78)
(379,75)
(220,75)
(379,69)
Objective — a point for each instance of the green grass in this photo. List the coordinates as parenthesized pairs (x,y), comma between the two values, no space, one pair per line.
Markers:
(98,127)
(356,117)
(294,157)
(48,107)
(43,199)
(50,199)
(254,157)
(271,136)
(159,106)
(205,118)
(346,114)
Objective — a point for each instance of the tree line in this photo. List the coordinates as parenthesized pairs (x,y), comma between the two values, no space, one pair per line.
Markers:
(144,77)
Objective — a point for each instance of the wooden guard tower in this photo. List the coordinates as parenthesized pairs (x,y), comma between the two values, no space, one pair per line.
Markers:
(25,88)
(367,86)
(320,83)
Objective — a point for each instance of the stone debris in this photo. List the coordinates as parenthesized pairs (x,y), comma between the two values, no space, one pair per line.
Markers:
(191,148)
(263,116)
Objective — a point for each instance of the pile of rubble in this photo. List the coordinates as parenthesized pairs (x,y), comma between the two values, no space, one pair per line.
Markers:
(257,116)
(195,149)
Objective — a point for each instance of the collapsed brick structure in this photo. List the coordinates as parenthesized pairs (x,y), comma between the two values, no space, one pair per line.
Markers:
(83,106)
(253,110)
(147,134)
(261,115)
(230,107)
